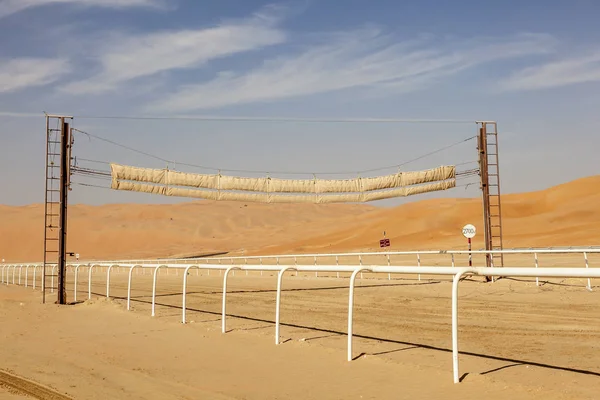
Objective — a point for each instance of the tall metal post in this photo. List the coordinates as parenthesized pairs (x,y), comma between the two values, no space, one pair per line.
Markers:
(485,191)
(65,145)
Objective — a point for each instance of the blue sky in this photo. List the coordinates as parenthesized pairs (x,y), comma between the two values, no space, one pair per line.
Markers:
(533,66)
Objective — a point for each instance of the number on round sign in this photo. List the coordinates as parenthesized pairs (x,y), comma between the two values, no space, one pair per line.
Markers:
(469,231)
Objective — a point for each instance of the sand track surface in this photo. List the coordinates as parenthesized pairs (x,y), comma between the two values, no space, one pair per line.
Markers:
(517,340)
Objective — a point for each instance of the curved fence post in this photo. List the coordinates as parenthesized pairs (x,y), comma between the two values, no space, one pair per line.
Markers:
(360,263)
(537,278)
(587,265)
(14,272)
(26,274)
(223,321)
(351,308)
(154,286)
(455,283)
(35,267)
(278,301)
(108,270)
(20,271)
(389,263)
(75,285)
(90,281)
(129,285)
(53,271)
(183,304)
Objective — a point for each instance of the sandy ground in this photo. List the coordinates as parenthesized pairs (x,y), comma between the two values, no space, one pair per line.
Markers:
(517,340)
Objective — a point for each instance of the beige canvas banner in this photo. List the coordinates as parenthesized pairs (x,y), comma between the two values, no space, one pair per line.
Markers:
(274,185)
(281,198)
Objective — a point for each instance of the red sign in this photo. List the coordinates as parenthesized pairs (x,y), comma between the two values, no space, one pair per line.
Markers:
(384,243)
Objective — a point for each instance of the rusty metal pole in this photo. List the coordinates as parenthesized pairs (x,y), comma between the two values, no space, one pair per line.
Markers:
(485,192)
(65,161)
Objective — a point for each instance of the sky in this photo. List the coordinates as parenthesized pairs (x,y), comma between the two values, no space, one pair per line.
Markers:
(534,67)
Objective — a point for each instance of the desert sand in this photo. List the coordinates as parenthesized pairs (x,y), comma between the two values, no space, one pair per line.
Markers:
(517,340)
(564,215)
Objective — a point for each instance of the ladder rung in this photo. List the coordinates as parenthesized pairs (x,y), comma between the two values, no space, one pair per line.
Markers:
(53,141)
(54,154)
(51,238)
(51,251)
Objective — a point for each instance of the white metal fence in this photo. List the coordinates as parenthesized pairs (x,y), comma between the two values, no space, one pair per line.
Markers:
(456,272)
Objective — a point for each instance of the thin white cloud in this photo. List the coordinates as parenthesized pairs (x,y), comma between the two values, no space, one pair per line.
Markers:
(21,73)
(364,58)
(9,7)
(570,71)
(128,58)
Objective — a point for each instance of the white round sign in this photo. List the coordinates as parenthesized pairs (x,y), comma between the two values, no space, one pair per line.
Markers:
(469,231)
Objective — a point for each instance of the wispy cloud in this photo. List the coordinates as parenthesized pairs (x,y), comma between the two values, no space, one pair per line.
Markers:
(554,74)
(128,58)
(9,7)
(22,73)
(364,58)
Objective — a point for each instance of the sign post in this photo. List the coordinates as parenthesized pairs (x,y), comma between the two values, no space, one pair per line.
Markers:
(469,232)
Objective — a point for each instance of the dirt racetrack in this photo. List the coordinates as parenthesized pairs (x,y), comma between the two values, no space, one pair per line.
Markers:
(516,340)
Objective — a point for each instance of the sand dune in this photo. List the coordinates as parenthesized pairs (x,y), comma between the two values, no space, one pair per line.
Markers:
(560,216)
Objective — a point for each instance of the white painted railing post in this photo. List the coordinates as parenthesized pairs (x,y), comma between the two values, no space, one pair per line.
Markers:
(587,265)
(3,267)
(360,263)
(351,308)
(14,273)
(537,279)
(26,274)
(20,270)
(53,270)
(108,280)
(91,268)
(455,283)
(389,263)
(74,285)
(278,301)
(223,325)
(129,284)
(154,286)
(183,301)
(34,275)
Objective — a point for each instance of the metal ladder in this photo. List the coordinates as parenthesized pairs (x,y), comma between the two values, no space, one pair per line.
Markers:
(490,174)
(54,232)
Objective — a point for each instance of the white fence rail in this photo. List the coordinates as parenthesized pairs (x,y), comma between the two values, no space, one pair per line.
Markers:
(456,272)
(360,257)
